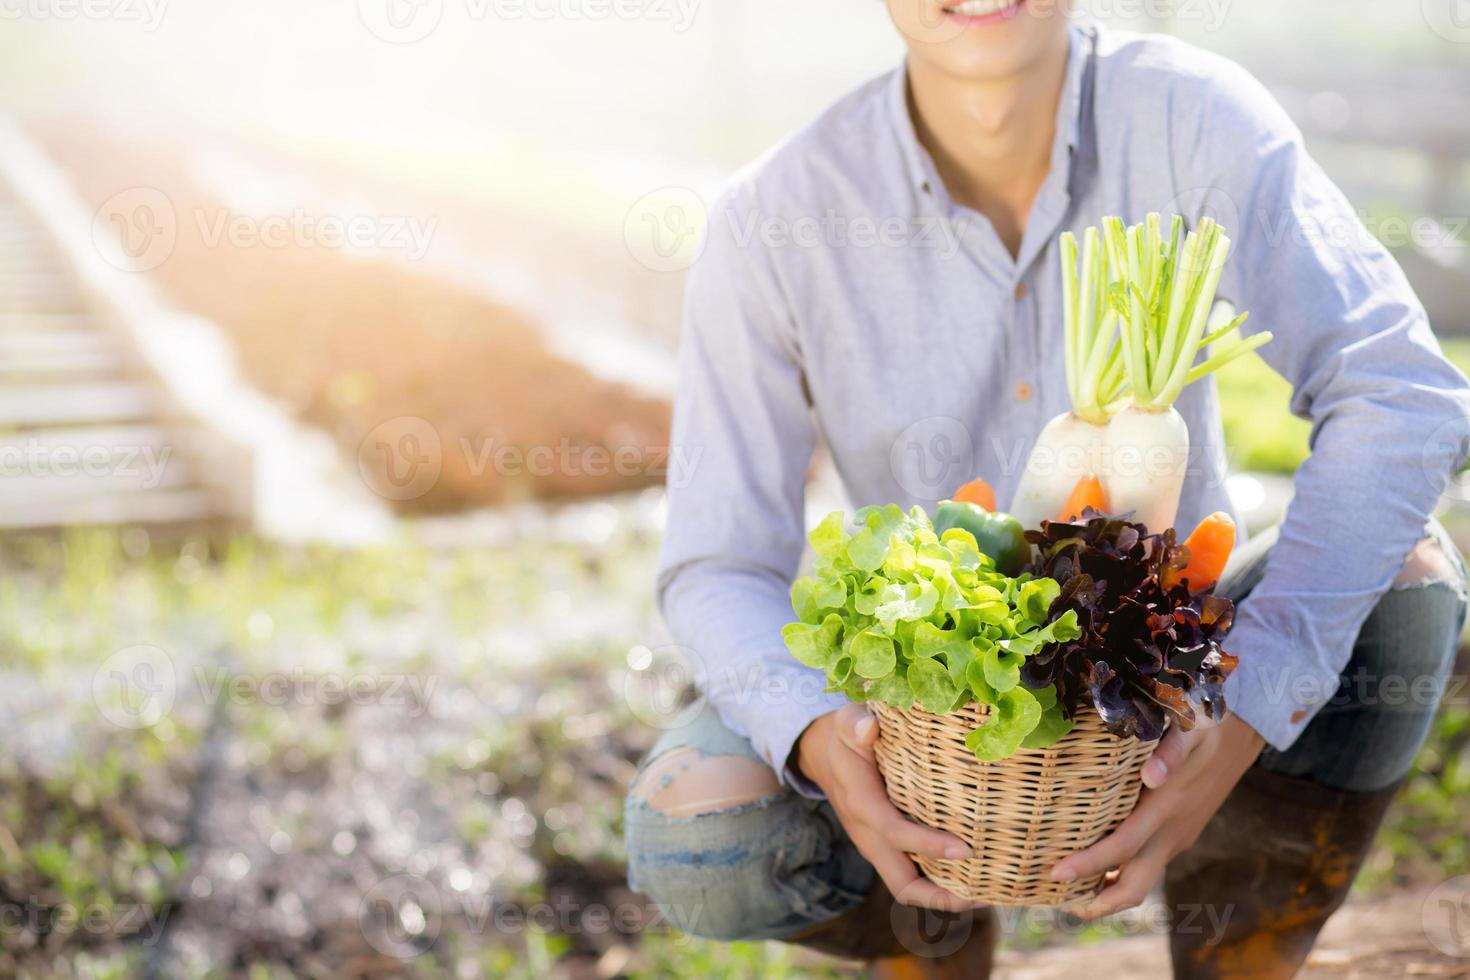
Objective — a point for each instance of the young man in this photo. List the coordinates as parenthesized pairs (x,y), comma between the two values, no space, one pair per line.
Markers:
(935,337)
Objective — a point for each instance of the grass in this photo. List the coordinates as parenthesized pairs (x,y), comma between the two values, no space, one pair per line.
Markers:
(494,777)
(1261,434)
(1423,840)
(521,733)
(511,764)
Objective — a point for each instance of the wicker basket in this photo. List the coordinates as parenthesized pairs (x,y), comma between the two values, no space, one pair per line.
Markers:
(1021,815)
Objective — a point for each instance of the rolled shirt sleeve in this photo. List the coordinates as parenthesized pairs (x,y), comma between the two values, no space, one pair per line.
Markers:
(1390,416)
(735,530)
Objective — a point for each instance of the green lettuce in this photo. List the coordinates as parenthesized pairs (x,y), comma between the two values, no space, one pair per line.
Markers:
(895,613)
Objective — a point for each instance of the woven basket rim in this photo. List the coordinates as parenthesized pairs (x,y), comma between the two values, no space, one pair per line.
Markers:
(1020,815)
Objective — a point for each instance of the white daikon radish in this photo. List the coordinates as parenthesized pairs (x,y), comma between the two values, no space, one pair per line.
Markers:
(1135,321)
(1073,445)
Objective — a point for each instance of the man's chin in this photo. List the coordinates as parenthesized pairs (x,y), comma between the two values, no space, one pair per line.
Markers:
(996,51)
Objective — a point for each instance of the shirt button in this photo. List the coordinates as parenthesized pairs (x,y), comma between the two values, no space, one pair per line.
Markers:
(1020,291)
(1024,392)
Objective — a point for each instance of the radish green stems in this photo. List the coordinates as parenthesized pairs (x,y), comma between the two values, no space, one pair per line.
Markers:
(1069,311)
(1219,359)
(1136,311)
(1137,308)
(1090,323)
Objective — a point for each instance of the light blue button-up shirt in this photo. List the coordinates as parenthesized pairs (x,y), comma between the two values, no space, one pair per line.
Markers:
(841,296)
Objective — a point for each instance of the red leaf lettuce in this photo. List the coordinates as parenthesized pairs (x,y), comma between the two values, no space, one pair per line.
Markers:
(1146,652)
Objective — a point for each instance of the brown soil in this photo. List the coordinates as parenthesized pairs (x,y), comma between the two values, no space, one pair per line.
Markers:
(1385,937)
(349,344)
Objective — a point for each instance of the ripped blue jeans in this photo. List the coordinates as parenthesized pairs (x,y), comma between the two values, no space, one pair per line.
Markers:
(779,864)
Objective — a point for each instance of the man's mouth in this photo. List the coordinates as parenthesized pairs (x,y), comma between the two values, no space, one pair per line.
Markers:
(976,12)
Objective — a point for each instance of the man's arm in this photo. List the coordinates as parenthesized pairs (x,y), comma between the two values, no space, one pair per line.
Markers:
(1390,416)
(736,518)
(734,538)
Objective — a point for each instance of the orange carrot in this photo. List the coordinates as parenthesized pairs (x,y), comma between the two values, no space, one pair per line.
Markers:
(1209,548)
(977,492)
(1088,493)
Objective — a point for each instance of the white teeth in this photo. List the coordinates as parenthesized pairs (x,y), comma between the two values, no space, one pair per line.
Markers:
(979,8)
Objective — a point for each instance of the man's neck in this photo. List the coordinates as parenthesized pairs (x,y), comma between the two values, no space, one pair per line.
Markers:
(991,141)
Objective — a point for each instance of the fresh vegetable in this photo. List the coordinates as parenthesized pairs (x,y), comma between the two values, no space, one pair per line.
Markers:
(897,613)
(977,492)
(1087,495)
(1147,649)
(1134,316)
(1000,536)
(1209,548)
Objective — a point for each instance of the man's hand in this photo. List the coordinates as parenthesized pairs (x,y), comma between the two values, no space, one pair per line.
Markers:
(836,753)
(1186,781)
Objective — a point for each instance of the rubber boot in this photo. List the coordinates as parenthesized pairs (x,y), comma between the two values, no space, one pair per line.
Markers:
(900,942)
(1248,899)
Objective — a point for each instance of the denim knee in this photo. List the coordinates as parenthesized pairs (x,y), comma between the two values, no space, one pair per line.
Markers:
(761,870)
(1366,737)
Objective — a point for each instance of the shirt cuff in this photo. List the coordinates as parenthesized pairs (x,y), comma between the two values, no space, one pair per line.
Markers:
(775,738)
(1275,695)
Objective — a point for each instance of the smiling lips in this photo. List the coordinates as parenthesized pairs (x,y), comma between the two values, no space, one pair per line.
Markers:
(974,13)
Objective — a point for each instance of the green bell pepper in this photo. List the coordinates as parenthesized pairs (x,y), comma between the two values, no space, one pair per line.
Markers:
(1000,536)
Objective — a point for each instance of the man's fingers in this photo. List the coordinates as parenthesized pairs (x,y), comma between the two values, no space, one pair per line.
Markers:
(1115,849)
(857,729)
(1168,756)
(1133,885)
(923,893)
(866,796)
(903,881)
(915,838)
(889,833)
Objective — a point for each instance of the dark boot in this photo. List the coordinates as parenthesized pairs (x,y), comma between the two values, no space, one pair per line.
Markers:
(1250,897)
(899,941)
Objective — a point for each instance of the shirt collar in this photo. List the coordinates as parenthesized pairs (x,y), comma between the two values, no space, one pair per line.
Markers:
(921,169)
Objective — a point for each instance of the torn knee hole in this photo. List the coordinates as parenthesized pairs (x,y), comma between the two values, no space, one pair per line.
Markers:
(684,783)
(1427,564)
(661,771)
